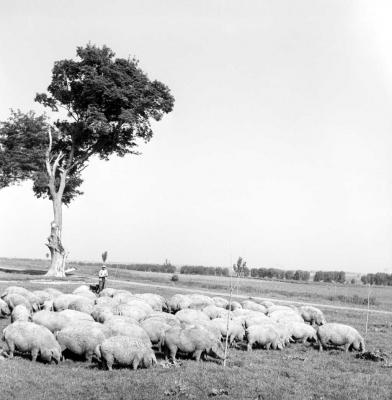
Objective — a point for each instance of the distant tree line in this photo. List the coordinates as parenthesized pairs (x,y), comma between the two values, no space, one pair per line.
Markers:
(241,270)
(167,267)
(379,278)
(201,270)
(276,273)
(330,276)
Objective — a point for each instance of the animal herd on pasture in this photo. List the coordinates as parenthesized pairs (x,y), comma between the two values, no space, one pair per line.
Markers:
(117,327)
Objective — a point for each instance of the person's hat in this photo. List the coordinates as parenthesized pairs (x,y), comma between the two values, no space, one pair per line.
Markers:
(103,266)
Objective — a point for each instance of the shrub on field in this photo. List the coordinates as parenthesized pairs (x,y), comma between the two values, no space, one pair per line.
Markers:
(174,278)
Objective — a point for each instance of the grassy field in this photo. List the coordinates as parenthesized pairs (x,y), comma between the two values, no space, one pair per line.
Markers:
(319,292)
(297,372)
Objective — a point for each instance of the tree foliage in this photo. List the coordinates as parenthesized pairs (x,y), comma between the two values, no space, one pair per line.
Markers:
(379,278)
(330,276)
(201,270)
(276,273)
(23,139)
(109,104)
(170,269)
(240,268)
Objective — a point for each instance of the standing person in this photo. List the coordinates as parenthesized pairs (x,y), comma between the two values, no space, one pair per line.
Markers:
(102,275)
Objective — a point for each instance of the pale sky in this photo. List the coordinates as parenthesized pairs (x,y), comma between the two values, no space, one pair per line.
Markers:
(278,147)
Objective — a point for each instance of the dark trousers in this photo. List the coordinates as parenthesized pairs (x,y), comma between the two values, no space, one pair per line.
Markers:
(101,284)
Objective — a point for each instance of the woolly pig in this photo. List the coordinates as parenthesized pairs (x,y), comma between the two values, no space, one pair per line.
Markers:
(89,295)
(251,305)
(234,306)
(42,296)
(211,328)
(340,335)
(236,330)
(20,313)
(28,337)
(120,318)
(194,341)
(266,336)
(168,318)
(101,313)
(130,311)
(82,289)
(74,316)
(216,312)
(106,301)
(107,292)
(51,320)
(139,303)
(157,302)
(300,331)
(123,297)
(285,316)
(14,289)
(189,316)
(220,302)
(53,292)
(252,319)
(178,302)
(48,305)
(31,297)
(62,302)
(274,308)
(199,301)
(125,351)
(155,329)
(241,314)
(82,304)
(283,332)
(13,299)
(4,309)
(81,340)
(266,303)
(123,328)
(312,315)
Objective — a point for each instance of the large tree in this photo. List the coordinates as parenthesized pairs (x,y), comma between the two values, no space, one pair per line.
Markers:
(102,106)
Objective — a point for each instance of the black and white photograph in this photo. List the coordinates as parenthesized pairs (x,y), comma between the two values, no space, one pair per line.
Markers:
(196,200)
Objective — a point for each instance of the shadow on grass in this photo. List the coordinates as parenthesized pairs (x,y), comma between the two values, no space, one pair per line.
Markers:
(23,271)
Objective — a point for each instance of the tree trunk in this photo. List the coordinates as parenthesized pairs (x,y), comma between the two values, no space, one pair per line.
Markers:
(57,251)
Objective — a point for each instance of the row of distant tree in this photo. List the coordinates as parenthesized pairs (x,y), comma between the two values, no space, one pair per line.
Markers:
(241,270)
(379,278)
(276,273)
(200,270)
(330,276)
(166,267)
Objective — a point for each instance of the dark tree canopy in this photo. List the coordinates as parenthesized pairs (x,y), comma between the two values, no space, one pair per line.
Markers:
(109,104)
(24,140)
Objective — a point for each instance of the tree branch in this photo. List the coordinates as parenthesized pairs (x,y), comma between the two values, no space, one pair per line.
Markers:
(57,161)
(48,158)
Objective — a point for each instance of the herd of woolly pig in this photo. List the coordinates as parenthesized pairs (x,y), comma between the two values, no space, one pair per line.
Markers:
(118,327)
